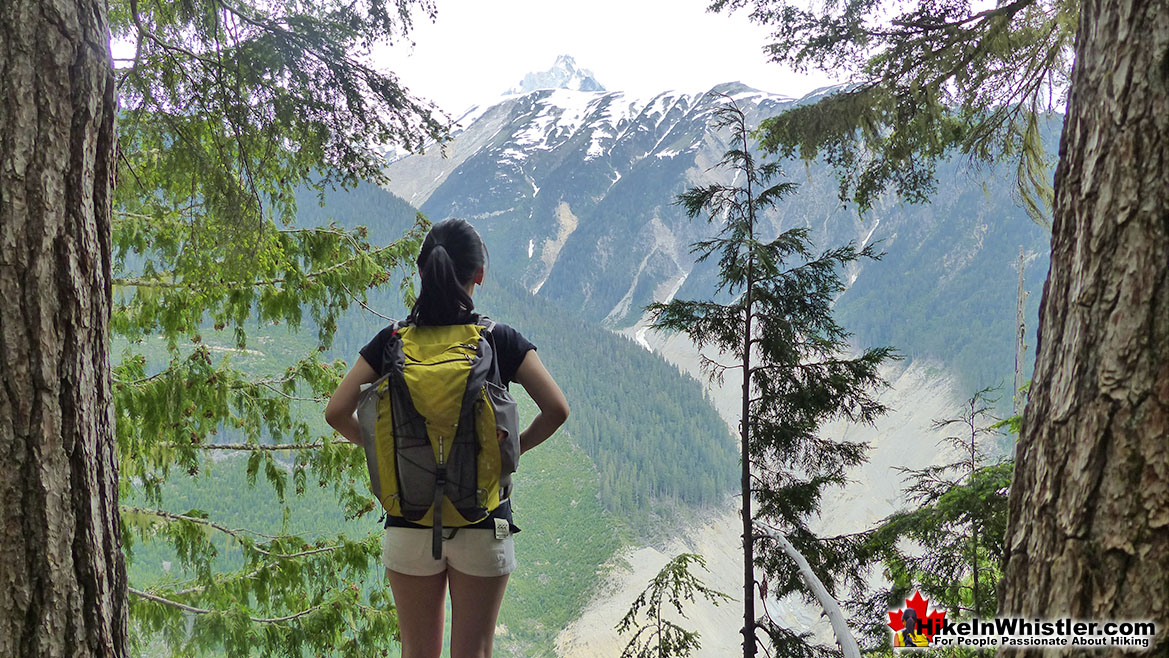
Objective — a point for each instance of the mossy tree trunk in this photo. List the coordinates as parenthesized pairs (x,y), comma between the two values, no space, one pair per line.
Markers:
(62,576)
(1088,535)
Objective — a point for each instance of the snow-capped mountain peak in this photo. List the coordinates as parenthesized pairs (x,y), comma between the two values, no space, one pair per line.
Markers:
(564,74)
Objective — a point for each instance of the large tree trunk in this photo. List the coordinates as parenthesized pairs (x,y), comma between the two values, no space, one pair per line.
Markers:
(1088,535)
(62,577)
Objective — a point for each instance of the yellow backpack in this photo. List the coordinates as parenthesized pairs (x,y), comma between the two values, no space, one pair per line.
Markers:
(441,432)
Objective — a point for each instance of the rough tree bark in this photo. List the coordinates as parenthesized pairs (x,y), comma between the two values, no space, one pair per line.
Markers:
(1089,509)
(62,577)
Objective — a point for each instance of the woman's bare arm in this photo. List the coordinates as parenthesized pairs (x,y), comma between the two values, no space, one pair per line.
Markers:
(534,377)
(341,412)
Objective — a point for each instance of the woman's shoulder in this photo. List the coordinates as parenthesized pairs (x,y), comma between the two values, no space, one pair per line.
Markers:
(387,331)
(374,350)
(502,327)
(506,332)
(383,335)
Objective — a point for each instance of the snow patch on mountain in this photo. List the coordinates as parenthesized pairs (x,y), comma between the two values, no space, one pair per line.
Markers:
(471,116)
(612,118)
(556,117)
(545,119)
(521,144)
(852,272)
(416,177)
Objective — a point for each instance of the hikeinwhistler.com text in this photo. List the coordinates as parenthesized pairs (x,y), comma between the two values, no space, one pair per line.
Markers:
(1019,632)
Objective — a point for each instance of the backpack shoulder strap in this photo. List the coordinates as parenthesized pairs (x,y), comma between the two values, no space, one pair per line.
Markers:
(394,344)
(488,324)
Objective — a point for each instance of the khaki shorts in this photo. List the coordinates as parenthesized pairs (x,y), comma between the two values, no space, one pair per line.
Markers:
(473,551)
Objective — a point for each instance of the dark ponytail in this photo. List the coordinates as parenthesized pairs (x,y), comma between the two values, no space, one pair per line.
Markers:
(451,255)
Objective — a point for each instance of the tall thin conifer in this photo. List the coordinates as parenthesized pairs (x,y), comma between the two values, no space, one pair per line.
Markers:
(778,328)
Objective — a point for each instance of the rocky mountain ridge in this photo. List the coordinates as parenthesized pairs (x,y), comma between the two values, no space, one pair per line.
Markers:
(575,194)
(564,74)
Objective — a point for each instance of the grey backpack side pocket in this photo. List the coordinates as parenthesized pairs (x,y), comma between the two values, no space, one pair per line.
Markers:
(367,403)
(507,421)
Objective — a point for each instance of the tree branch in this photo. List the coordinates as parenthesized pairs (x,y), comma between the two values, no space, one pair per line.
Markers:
(203,611)
(926,26)
(277,391)
(363,304)
(143,32)
(139,282)
(237,533)
(261,447)
(803,366)
(844,638)
(235,386)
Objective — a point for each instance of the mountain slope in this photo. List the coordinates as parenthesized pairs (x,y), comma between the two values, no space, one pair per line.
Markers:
(574,192)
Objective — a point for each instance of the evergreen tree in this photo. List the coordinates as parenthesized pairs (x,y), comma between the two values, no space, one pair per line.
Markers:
(60,550)
(933,79)
(957,522)
(779,330)
(657,636)
(1088,502)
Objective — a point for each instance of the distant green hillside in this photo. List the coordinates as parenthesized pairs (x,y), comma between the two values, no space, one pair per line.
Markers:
(366,204)
(946,287)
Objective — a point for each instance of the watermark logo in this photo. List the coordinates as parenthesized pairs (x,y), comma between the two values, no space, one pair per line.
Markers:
(916,623)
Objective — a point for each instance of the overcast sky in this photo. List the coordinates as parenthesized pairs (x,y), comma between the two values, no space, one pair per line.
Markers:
(477,49)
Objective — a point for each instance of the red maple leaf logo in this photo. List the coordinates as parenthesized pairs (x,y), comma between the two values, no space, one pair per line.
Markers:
(931,621)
